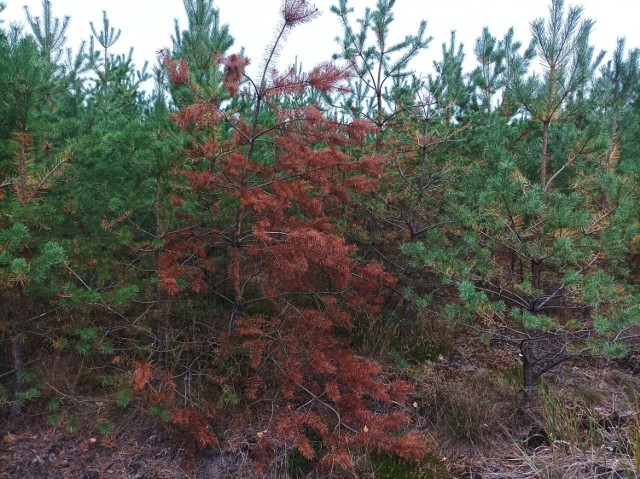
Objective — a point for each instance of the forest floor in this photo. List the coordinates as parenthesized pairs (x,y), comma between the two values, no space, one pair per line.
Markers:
(586,422)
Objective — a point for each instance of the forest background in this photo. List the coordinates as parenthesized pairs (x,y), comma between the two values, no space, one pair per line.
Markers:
(273,263)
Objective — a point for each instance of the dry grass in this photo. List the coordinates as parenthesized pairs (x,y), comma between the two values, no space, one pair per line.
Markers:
(387,339)
(592,417)
(469,414)
(561,461)
(471,404)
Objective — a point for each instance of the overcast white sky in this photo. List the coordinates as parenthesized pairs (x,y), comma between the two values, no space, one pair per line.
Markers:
(147,25)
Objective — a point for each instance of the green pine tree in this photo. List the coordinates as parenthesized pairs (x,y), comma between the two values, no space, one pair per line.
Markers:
(544,219)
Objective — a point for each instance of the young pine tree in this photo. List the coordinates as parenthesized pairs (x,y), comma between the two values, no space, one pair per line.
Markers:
(34,152)
(546,220)
(283,286)
(377,63)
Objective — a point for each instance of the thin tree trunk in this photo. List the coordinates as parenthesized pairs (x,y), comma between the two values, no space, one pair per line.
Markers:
(535,273)
(528,374)
(15,411)
(161,311)
(613,140)
(537,234)
(380,122)
(544,158)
